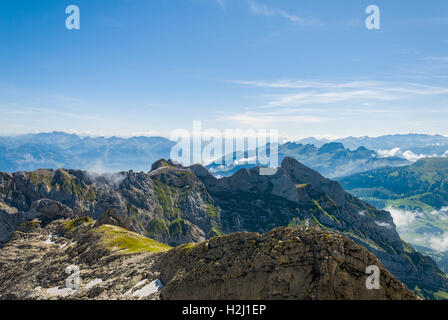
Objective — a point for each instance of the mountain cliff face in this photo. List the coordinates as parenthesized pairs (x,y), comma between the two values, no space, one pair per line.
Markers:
(169,204)
(175,205)
(114,263)
(299,263)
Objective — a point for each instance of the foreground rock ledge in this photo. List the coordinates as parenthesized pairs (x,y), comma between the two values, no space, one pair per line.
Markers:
(286,263)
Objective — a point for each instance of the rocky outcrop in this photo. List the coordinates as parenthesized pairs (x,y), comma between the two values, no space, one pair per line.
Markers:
(38,263)
(113,263)
(299,263)
(114,218)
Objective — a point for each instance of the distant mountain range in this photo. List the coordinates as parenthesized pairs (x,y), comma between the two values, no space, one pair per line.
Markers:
(420,186)
(331,159)
(61,150)
(417,196)
(417,145)
(99,154)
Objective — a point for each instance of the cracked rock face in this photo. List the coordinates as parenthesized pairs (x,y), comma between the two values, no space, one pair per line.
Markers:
(34,266)
(286,263)
(301,263)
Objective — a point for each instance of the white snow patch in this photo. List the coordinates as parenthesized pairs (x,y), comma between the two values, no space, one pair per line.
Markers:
(151,288)
(383,225)
(50,239)
(64,292)
(362,213)
(136,286)
(93,283)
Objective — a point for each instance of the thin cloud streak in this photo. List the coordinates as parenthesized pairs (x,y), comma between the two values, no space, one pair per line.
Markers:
(311,101)
(264,10)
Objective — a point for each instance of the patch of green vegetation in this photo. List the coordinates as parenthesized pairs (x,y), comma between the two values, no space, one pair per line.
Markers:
(91,194)
(295,222)
(212,210)
(216,232)
(166,164)
(418,292)
(441,295)
(411,203)
(407,247)
(301,186)
(63,181)
(184,174)
(127,242)
(317,222)
(166,197)
(188,246)
(332,201)
(33,223)
(178,227)
(72,224)
(136,216)
(41,176)
(158,229)
(325,212)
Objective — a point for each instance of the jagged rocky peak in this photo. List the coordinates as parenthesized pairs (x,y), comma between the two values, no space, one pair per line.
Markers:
(162,163)
(304,175)
(331,147)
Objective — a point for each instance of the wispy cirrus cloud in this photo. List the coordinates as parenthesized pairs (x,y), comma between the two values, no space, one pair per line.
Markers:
(303,101)
(318,92)
(268,119)
(437,59)
(260,9)
(263,10)
(221,4)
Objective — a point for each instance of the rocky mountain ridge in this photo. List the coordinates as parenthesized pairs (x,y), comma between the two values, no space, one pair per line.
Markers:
(173,204)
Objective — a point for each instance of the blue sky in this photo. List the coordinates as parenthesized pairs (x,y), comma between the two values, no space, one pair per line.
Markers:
(147,67)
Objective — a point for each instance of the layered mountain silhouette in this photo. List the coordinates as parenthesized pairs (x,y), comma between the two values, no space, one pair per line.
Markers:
(417,143)
(174,205)
(422,185)
(60,150)
(331,159)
